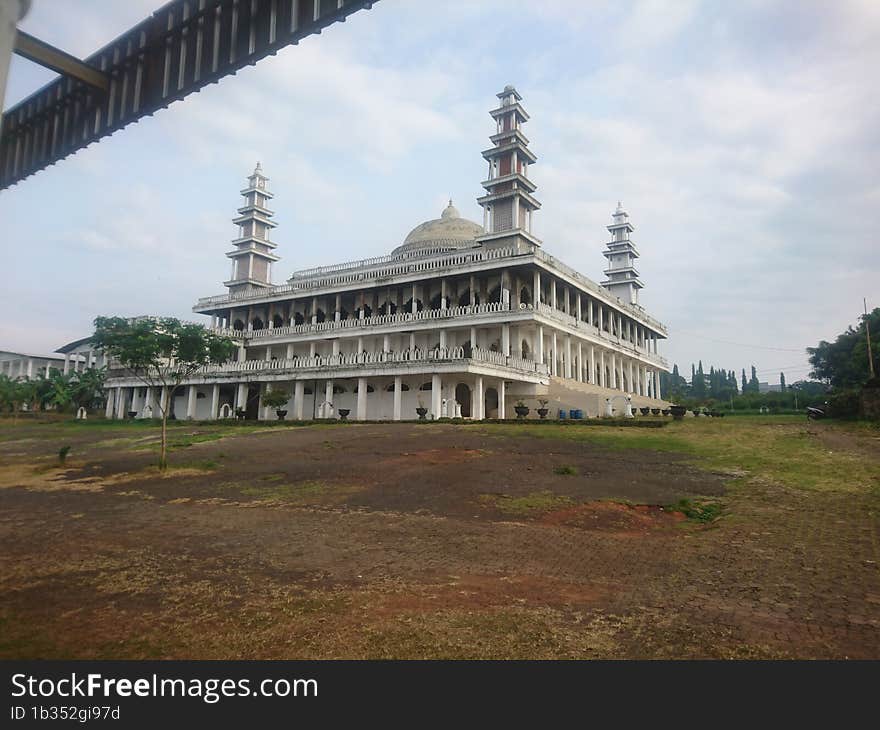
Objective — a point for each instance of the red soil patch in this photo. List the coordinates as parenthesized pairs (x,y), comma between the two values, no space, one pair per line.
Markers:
(614,517)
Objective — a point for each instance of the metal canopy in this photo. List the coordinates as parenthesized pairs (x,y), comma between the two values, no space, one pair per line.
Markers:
(182,47)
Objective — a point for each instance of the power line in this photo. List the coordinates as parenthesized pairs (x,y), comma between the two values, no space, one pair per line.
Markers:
(740,344)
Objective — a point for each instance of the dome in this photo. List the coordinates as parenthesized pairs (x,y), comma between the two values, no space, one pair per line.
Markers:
(447,233)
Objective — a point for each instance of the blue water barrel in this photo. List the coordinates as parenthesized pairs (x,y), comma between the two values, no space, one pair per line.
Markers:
(562,414)
(578,413)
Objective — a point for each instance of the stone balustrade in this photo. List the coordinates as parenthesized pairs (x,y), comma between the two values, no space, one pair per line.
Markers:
(416,355)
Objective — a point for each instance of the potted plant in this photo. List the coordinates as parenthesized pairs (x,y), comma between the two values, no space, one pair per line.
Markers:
(677,412)
(665,411)
(543,411)
(421,410)
(275,399)
(522,410)
(646,410)
(240,414)
(656,412)
(343,413)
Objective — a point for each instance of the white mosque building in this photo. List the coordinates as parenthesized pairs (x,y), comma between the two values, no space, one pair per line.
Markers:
(461,320)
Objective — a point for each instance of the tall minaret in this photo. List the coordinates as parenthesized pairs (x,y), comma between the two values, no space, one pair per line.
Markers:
(623,279)
(508,204)
(252,258)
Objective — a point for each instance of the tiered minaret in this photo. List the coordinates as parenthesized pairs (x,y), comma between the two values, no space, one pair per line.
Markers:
(623,279)
(508,204)
(252,258)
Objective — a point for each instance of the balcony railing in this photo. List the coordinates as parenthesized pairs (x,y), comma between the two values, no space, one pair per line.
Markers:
(343,360)
(361,271)
(380,320)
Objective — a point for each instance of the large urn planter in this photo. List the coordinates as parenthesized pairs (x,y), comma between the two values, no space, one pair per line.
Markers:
(665,411)
(678,412)
(646,410)
(422,413)
(521,411)
(132,414)
(655,411)
(542,412)
(343,413)
(281,414)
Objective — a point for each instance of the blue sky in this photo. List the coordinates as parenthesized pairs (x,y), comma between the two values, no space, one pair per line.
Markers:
(743,138)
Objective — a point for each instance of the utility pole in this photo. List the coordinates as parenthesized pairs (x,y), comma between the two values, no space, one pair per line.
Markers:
(868,333)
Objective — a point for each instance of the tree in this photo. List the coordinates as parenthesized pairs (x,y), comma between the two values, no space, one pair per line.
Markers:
(162,353)
(754,385)
(781,382)
(745,383)
(844,362)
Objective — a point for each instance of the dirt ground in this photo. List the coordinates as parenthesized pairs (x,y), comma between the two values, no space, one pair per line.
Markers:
(411,541)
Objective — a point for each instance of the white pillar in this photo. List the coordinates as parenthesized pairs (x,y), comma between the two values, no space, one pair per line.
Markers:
(567,355)
(362,400)
(553,366)
(657,385)
(120,403)
(215,402)
(479,401)
(150,400)
(398,392)
(580,362)
(436,395)
(108,409)
(30,368)
(592,374)
(328,397)
(298,395)
(553,293)
(505,339)
(241,397)
(66,362)
(603,379)
(502,394)
(191,402)
(536,289)
(539,345)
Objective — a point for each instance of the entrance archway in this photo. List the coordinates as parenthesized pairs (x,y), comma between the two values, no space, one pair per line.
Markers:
(490,409)
(463,396)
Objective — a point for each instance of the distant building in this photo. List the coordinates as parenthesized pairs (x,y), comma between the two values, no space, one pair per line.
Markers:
(461,318)
(769,388)
(21,365)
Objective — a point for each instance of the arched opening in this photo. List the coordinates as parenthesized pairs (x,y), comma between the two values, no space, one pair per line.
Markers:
(525,295)
(495,295)
(388,308)
(425,386)
(491,403)
(465,299)
(337,389)
(436,301)
(468,349)
(277,321)
(408,306)
(321,316)
(370,388)
(463,396)
(257,323)
(238,325)
(390,387)
(526,350)
(298,318)
(367,310)
(343,314)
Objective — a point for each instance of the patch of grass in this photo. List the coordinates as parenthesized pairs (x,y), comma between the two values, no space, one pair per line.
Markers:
(566,470)
(697,510)
(781,449)
(531,504)
(62,454)
(204,465)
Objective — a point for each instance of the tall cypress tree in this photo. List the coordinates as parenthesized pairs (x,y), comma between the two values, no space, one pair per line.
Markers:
(745,383)
(781,382)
